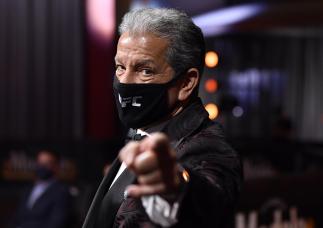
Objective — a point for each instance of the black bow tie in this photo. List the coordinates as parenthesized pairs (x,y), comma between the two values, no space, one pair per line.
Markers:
(132,135)
(138,137)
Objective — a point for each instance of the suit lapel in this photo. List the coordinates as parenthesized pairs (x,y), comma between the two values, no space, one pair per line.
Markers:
(44,194)
(95,205)
(114,198)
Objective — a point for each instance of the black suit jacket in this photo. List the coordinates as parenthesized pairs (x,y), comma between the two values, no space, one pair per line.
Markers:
(215,176)
(50,210)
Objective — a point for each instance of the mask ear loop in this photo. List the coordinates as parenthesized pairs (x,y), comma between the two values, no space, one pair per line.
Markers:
(176,78)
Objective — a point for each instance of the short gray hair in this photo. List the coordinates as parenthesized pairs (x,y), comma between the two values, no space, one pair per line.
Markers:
(186,42)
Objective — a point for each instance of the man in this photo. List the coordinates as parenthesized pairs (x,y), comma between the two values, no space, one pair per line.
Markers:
(186,176)
(47,203)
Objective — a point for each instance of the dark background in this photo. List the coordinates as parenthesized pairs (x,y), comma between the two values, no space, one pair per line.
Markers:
(56,69)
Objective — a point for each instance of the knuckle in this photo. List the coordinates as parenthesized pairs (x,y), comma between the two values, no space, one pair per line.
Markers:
(146,158)
(132,144)
(127,147)
(142,180)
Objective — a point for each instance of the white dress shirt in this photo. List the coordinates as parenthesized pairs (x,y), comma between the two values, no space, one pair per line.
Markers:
(38,189)
(158,209)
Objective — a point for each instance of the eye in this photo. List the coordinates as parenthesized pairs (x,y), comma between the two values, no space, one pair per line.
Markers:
(119,69)
(147,72)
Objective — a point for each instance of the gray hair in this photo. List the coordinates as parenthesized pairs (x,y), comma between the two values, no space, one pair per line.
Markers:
(186,47)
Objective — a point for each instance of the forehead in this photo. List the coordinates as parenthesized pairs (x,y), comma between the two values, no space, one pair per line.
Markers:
(141,46)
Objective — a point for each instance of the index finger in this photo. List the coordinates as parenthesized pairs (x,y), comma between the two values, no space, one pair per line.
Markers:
(157,142)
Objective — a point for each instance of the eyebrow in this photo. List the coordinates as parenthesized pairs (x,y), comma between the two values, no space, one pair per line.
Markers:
(144,62)
(140,62)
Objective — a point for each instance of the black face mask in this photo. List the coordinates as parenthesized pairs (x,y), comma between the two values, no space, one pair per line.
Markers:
(43,173)
(141,104)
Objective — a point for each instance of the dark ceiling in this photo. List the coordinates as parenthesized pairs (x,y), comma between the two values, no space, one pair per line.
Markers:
(277,14)
(194,7)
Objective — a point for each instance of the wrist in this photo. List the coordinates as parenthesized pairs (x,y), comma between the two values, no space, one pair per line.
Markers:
(182,178)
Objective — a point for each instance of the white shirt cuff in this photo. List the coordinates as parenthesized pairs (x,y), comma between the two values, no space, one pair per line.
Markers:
(160,211)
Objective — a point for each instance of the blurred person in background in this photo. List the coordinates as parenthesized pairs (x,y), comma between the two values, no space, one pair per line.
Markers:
(47,203)
(186,176)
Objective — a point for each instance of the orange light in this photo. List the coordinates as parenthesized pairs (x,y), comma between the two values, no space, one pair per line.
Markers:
(213,110)
(186,176)
(211,85)
(211,59)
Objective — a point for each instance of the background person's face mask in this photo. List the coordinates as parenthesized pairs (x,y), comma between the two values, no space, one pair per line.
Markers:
(141,104)
(44,173)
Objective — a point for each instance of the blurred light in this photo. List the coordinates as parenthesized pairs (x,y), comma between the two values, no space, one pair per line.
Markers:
(211,85)
(101,18)
(237,111)
(140,4)
(211,59)
(186,175)
(213,110)
(219,21)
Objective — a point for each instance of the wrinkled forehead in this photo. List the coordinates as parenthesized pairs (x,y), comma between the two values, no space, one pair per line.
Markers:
(145,45)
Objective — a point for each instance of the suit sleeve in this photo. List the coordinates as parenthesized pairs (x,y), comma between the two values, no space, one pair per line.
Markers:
(215,180)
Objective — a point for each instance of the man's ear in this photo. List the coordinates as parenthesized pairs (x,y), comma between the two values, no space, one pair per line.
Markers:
(188,84)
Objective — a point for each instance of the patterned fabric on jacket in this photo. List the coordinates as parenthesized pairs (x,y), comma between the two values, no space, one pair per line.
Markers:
(215,175)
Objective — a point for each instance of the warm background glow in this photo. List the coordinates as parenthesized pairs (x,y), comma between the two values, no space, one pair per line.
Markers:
(211,59)
(101,18)
(213,110)
(211,85)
